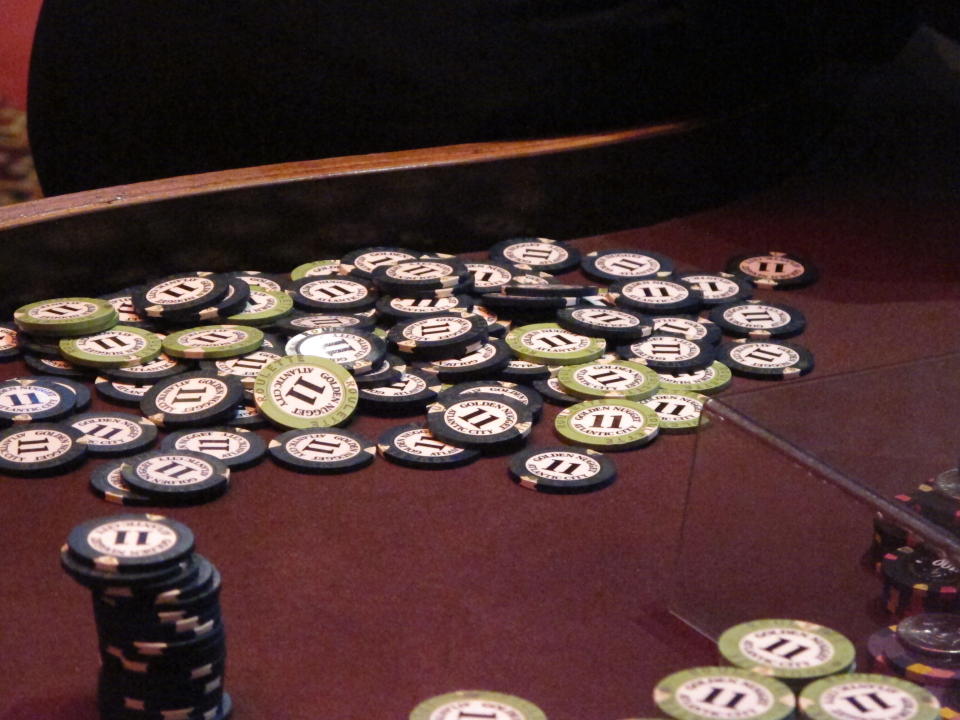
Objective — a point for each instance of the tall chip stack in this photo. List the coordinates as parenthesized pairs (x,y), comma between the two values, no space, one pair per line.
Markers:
(157,608)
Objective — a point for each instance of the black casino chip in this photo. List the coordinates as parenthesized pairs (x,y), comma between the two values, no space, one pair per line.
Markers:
(483,421)
(112,434)
(134,543)
(759,320)
(491,276)
(148,373)
(364,262)
(521,393)
(766,359)
(439,337)
(551,290)
(626,264)
(106,482)
(690,327)
(322,450)
(388,371)
(418,276)
(178,298)
(773,269)
(542,254)
(177,477)
(564,469)
(415,446)
(551,391)
(299,322)
(9,342)
(669,352)
(81,392)
(915,580)
(655,296)
(124,393)
(40,449)
(192,399)
(484,362)
(615,324)
(24,400)
(334,294)
(718,288)
(408,394)
(404,308)
(523,371)
(236,447)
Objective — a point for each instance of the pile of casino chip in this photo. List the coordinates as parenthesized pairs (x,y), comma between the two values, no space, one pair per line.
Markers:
(157,608)
(473,347)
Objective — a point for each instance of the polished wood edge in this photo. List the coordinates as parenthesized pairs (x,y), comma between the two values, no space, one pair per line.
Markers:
(137,193)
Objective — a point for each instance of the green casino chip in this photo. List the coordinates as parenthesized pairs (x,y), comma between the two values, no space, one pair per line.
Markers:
(301,391)
(548,343)
(477,704)
(263,308)
(794,651)
(709,380)
(617,379)
(866,696)
(678,410)
(723,693)
(211,342)
(66,317)
(608,425)
(315,268)
(119,347)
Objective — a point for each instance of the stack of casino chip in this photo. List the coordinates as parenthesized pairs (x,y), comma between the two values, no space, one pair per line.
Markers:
(916,580)
(726,693)
(924,649)
(160,629)
(795,652)
(866,695)
(396,332)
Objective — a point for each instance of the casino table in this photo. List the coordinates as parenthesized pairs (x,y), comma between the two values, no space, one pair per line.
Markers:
(359,595)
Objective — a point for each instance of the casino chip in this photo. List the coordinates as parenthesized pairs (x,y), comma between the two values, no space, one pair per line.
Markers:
(122,302)
(135,543)
(53,366)
(562,470)
(106,482)
(356,350)
(25,400)
(122,392)
(363,263)
(416,276)
(520,306)
(669,352)
(439,337)
(120,346)
(387,372)
(551,290)
(548,343)
(496,327)
(923,648)
(176,477)
(238,293)
(9,342)
(299,322)
(489,422)
(415,446)
(324,451)
(521,371)
(410,393)
(656,297)
(263,307)
(876,696)
(163,366)
(616,265)
(541,254)
(299,391)
(257,279)
(795,652)
(490,276)
(212,342)
(235,447)
(709,380)
(40,449)
(404,308)
(678,410)
(66,317)
(246,367)
(476,704)
(718,288)
(759,320)
(334,294)
(553,392)
(608,425)
(617,379)
(723,693)
(38,344)
(774,269)
(522,394)
(489,359)
(177,298)
(766,359)
(690,327)
(614,324)
(915,580)
(315,268)
(192,399)
(81,393)
(110,434)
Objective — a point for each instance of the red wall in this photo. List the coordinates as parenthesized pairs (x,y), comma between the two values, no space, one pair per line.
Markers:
(17,20)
